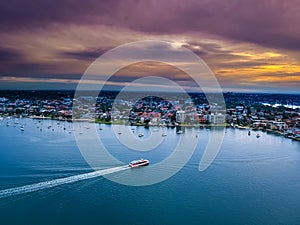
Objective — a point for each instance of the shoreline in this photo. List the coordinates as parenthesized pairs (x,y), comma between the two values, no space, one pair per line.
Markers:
(200,126)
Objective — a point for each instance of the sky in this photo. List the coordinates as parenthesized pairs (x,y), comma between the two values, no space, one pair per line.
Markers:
(250,46)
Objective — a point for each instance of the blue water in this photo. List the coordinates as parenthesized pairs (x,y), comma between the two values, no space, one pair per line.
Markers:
(252,180)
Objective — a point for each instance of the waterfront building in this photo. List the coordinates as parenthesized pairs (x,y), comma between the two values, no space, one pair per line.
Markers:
(218,118)
(180,116)
(275,125)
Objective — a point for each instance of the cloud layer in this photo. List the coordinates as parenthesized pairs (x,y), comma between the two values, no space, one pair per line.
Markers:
(253,42)
(271,23)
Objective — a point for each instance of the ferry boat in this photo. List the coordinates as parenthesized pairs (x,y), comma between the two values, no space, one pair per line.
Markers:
(137,163)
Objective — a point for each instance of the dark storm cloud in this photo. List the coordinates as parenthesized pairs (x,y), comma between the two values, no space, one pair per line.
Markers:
(16,14)
(6,57)
(85,55)
(7,54)
(270,23)
(20,73)
(20,68)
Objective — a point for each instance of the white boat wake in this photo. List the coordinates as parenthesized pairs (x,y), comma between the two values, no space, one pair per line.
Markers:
(53,183)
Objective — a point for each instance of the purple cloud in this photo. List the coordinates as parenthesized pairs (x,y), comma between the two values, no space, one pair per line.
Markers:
(268,23)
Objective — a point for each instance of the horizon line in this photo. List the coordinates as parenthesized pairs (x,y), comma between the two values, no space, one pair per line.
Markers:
(191,92)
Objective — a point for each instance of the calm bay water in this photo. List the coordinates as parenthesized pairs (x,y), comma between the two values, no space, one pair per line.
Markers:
(252,180)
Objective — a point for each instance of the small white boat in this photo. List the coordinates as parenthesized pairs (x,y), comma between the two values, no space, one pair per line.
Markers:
(141,135)
(163,134)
